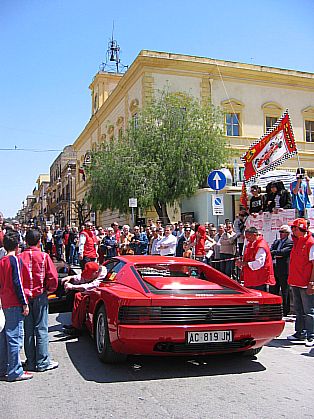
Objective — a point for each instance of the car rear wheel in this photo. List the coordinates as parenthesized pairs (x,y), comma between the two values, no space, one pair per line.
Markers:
(250,353)
(105,352)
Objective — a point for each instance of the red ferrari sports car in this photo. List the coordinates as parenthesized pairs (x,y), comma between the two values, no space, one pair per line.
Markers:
(153,305)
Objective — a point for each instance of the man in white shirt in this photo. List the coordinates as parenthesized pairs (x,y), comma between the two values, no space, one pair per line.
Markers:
(167,245)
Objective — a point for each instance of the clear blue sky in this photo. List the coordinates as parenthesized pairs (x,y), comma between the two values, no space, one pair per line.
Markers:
(51,49)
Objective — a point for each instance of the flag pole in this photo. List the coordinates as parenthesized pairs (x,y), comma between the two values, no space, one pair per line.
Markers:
(299,164)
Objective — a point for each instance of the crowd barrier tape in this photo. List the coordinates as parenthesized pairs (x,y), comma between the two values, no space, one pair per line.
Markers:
(222,260)
(225,260)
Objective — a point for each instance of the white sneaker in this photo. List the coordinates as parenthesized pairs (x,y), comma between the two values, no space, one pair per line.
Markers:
(53,365)
(309,342)
(296,338)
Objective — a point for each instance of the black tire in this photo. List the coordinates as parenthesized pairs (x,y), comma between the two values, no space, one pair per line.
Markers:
(250,353)
(103,346)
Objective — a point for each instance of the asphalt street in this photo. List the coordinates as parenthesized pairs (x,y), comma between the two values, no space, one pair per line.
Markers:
(277,384)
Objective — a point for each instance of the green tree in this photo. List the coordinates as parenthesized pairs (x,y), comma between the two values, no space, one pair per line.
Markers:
(165,155)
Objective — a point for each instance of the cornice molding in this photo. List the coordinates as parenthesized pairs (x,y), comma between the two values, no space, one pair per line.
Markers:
(232,104)
(308,113)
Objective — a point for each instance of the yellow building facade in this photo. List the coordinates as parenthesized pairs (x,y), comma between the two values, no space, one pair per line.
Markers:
(252,97)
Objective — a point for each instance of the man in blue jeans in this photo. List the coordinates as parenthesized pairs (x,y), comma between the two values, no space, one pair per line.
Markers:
(40,277)
(15,308)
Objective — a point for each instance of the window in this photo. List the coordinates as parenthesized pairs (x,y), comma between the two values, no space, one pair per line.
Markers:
(234,116)
(113,267)
(270,122)
(96,103)
(309,131)
(232,124)
(111,132)
(272,111)
(135,120)
(119,124)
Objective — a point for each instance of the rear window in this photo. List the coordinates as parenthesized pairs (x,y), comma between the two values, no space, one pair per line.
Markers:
(171,270)
(181,279)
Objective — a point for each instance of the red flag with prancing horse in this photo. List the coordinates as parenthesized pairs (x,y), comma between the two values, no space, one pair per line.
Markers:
(271,150)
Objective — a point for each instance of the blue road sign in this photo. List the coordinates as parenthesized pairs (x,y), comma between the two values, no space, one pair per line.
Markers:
(216,180)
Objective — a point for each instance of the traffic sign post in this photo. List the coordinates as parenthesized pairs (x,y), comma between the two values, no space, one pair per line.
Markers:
(132,205)
(133,202)
(218,204)
(216,180)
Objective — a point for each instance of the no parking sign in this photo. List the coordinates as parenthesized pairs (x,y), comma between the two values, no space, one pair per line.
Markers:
(218,204)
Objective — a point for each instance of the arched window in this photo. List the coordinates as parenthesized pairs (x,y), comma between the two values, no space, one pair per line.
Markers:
(120,125)
(134,105)
(111,132)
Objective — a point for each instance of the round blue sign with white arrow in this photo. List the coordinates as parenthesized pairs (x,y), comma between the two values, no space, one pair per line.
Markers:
(216,180)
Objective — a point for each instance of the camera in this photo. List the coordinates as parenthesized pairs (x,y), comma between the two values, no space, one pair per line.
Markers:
(300,176)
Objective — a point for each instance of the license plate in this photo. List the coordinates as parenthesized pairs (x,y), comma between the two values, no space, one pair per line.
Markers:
(209,337)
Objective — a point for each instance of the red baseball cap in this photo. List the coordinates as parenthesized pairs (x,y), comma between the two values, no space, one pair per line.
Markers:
(90,269)
(299,222)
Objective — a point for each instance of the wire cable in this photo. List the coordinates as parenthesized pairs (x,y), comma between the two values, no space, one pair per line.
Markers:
(33,150)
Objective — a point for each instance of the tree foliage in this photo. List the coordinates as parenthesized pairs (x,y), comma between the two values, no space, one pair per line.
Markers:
(165,155)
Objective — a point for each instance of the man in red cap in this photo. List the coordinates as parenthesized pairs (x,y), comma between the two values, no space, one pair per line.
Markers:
(77,285)
(257,265)
(301,272)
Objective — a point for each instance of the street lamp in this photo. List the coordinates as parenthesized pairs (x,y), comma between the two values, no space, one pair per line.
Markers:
(70,192)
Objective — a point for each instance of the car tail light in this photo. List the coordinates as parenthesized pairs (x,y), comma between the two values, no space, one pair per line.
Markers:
(139,315)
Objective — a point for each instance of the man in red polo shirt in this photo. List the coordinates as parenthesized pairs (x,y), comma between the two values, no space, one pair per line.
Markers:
(257,265)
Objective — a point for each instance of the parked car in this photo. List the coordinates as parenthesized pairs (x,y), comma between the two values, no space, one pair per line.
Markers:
(155,305)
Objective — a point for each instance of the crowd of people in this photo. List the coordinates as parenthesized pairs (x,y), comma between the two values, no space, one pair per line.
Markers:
(278,197)
(28,274)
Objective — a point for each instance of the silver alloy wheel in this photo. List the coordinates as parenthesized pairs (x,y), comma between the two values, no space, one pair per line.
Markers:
(100,335)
